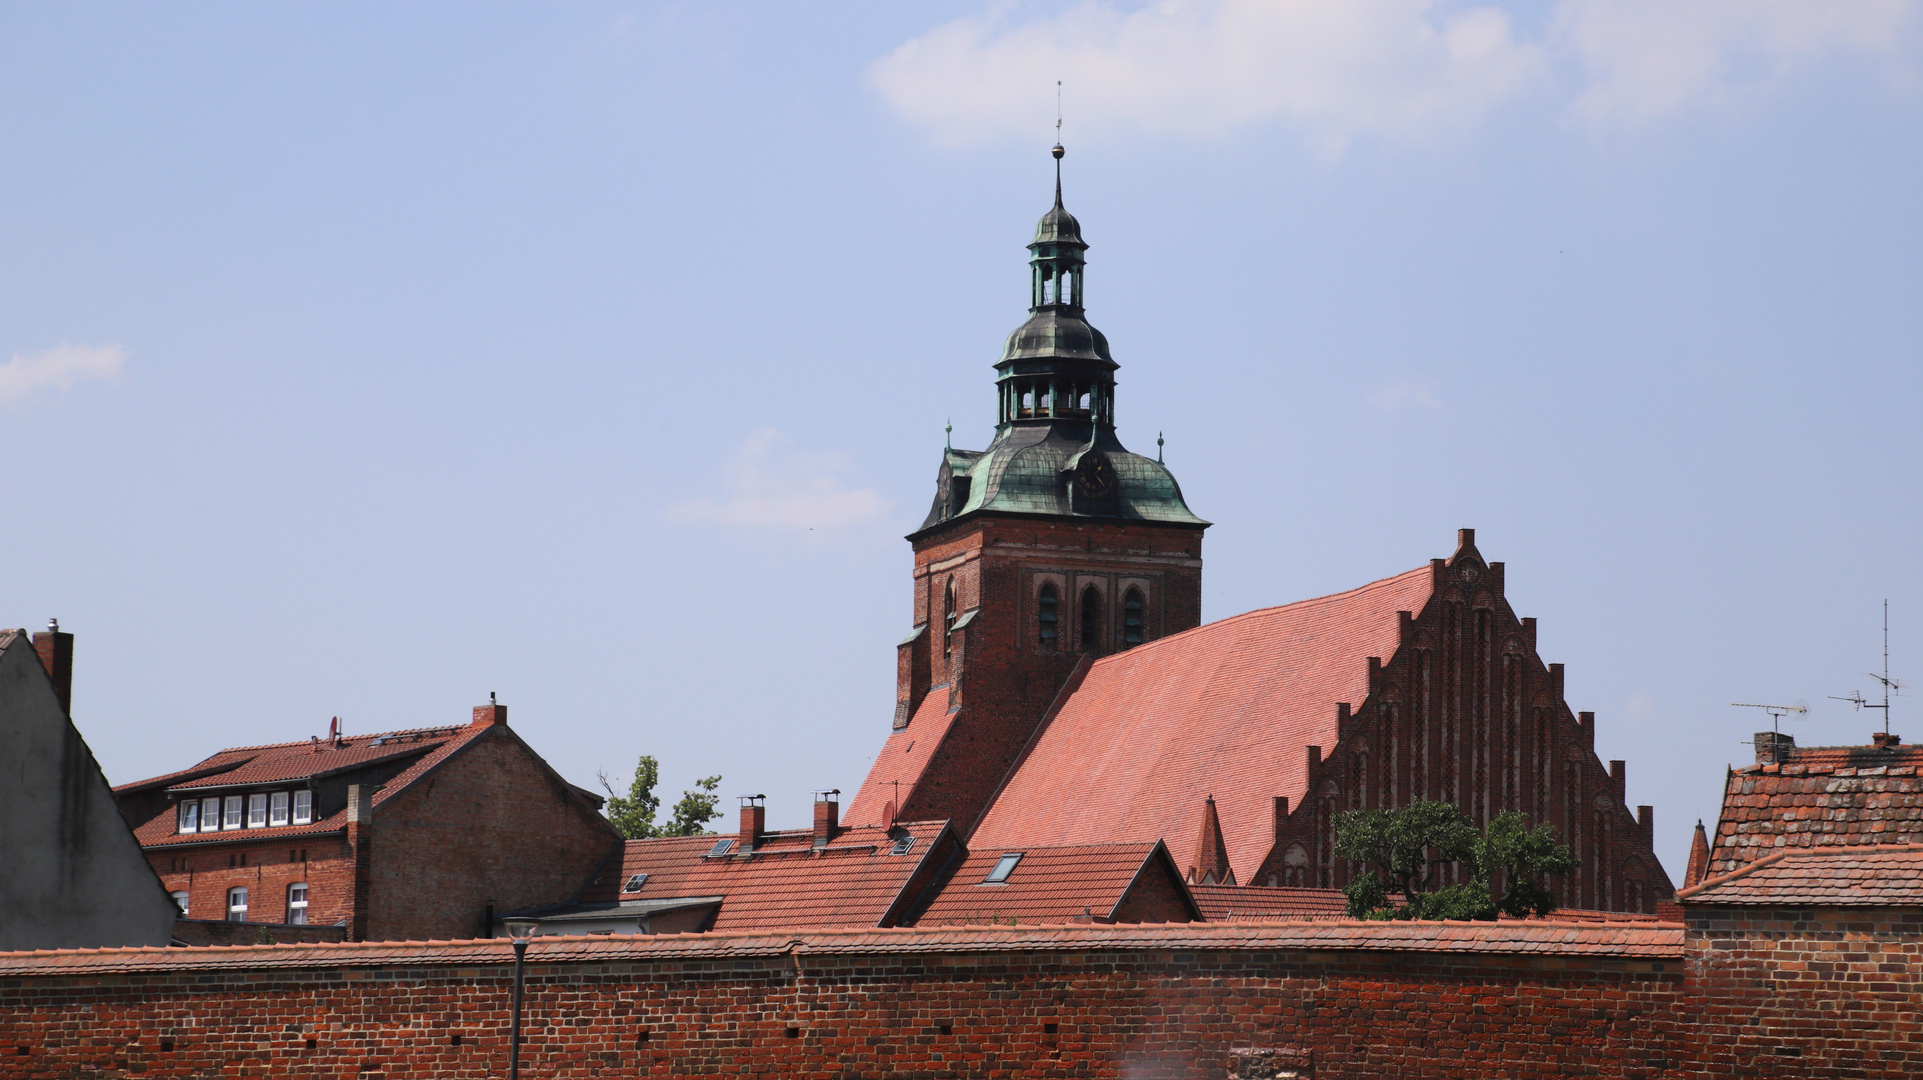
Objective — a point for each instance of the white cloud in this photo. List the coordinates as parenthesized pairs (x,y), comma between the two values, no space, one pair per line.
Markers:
(57,368)
(1339,67)
(1641,707)
(770,487)
(1404,394)
(1644,59)
(1343,69)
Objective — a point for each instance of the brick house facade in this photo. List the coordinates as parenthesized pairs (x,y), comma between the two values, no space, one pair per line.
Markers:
(404,835)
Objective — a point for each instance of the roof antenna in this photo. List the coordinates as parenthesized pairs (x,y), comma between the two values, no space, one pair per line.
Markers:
(490,697)
(1776,712)
(1891,687)
(1058,151)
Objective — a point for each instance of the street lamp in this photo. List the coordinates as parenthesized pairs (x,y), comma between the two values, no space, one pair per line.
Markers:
(520,930)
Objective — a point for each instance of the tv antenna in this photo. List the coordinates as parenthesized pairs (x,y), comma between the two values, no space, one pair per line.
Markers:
(1891,687)
(1776,712)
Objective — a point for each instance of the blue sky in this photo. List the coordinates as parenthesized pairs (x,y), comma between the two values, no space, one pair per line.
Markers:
(359,360)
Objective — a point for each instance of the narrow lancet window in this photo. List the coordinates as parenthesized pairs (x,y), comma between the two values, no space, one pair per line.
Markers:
(1091,620)
(1049,617)
(1132,619)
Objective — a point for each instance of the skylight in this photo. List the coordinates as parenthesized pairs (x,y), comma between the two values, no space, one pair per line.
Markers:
(634,883)
(903,845)
(1004,866)
(721,847)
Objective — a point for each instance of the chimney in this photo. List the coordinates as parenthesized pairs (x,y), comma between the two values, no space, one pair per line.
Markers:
(1882,740)
(56,655)
(1619,778)
(1586,721)
(827,816)
(1646,824)
(754,821)
(491,713)
(1773,746)
(360,842)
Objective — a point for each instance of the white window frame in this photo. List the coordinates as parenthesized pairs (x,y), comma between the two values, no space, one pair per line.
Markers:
(237,893)
(303,807)
(232,813)
(257,811)
(209,815)
(297,904)
(189,811)
(180,899)
(277,809)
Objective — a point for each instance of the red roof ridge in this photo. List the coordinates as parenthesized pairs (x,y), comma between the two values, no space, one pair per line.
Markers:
(1145,647)
(1831,851)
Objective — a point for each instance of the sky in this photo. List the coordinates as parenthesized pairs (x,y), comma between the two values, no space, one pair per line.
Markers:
(362,360)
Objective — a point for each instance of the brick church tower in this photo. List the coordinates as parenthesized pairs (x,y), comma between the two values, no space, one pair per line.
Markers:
(1052,547)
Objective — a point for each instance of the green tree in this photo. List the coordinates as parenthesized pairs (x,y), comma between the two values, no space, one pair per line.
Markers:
(633,814)
(1404,852)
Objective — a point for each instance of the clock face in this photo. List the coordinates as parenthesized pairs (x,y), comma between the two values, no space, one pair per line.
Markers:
(1095,476)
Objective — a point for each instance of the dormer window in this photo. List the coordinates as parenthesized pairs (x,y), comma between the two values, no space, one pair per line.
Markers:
(189,812)
(257,811)
(277,809)
(303,807)
(235,806)
(209,815)
(1048,617)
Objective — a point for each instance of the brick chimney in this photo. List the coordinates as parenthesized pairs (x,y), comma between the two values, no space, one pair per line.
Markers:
(491,713)
(55,648)
(827,816)
(754,821)
(1773,746)
(1882,740)
(360,841)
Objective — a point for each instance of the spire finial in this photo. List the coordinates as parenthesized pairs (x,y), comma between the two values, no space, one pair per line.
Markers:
(949,433)
(1158,448)
(1058,151)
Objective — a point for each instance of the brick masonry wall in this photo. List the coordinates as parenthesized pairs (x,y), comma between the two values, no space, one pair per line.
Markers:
(491,826)
(996,670)
(1807,992)
(956,1004)
(265,870)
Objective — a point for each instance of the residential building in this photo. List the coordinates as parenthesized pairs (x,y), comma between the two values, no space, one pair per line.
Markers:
(413,834)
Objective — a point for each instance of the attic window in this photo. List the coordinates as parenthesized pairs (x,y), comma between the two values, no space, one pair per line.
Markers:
(1004,866)
(903,846)
(303,807)
(634,883)
(721,847)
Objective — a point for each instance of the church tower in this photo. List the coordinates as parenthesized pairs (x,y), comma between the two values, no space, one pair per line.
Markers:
(1053,546)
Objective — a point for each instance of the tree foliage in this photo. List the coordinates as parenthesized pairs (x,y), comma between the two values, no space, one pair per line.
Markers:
(633,814)
(1404,852)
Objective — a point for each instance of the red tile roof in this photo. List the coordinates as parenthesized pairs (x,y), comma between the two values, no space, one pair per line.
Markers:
(281,763)
(854,882)
(1049,885)
(1223,902)
(903,758)
(1617,942)
(1870,875)
(1820,796)
(1224,710)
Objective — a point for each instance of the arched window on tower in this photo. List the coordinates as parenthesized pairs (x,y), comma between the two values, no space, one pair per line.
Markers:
(1132,619)
(1049,617)
(948,618)
(1091,620)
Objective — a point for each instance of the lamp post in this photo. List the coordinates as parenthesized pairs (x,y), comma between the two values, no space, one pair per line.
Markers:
(520,931)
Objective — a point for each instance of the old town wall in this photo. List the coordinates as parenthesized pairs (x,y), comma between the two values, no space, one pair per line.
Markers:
(1332,1000)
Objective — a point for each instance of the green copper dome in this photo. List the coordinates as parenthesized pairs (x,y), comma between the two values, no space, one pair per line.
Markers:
(1055,451)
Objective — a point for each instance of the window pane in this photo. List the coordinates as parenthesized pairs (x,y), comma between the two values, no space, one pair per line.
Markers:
(1004,866)
(277,809)
(303,807)
(297,903)
(209,815)
(236,905)
(180,898)
(256,811)
(232,818)
(190,816)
